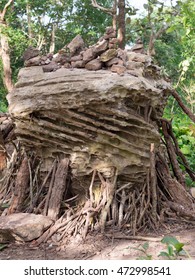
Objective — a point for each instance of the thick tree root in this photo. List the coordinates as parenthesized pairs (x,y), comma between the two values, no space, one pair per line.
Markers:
(129,208)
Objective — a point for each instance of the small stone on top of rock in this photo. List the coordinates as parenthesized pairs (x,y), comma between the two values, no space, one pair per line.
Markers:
(105,54)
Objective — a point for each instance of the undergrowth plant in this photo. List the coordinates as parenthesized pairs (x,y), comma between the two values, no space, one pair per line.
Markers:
(144,249)
(174,249)
(2,246)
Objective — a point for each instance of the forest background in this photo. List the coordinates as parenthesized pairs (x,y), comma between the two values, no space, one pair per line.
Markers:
(167,32)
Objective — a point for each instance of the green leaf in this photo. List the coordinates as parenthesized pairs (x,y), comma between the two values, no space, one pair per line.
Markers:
(145,6)
(164,254)
(191,139)
(179,247)
(170,250)
(4,205)
(169,240)
(3,246)
(128,20)
(148,257)
(171,29)
(145,246)
(182,253)
(186,150)
(160,9)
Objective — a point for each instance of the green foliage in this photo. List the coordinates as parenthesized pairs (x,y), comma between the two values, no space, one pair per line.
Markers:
(184,130)
(186,140)
(174,248)
(143,248)
(169,54)
(87,21)
(183,25)
(175,52)
(4,205)
(156,16)
(18,43)
(3,246)
(3,101)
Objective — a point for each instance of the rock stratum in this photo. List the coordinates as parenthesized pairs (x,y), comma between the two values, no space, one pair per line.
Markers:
(98,119)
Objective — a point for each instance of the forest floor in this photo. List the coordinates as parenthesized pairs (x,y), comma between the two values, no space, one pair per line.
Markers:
(99,247)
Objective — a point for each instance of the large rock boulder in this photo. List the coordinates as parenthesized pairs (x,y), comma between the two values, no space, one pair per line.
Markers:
(99,119)
(22,227)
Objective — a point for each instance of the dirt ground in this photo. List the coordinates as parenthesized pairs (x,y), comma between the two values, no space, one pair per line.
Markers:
(98,247)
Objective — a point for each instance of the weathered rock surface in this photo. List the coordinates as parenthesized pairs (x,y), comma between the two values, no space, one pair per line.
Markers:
(52,66)
(88,55)
(78,64)
(133,56)
(100,47)
(138,47)
(119,69)
(22,227)
(94,64)
(35,61)
(114,60)
(30,53)
(76,58)
(108,55)
(76,45)
(98,119)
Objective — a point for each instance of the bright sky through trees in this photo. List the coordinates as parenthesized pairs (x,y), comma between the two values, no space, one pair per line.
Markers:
(139,3)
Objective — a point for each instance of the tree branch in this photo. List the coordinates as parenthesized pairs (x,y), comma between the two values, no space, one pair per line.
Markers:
(161,31)
(106,10)
(172,155)
(185,109)
(154,36)
(2,15)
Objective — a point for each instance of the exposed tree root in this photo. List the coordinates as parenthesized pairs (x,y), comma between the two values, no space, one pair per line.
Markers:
(172,154)
(129,207)
(138,237)
(185,109)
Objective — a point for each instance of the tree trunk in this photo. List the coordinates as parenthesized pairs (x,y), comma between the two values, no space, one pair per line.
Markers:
(151,49)
(114,17)
(5,56)
(52,43)
(21,187)
(121,23)
(28,12)
(59,187)
(118,21)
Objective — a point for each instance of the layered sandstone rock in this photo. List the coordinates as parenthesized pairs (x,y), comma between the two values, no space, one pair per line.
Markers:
(99,119)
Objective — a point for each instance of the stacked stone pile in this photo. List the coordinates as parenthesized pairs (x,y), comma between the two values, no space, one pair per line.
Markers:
(103,55)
